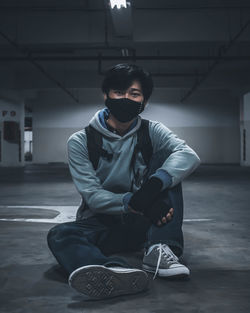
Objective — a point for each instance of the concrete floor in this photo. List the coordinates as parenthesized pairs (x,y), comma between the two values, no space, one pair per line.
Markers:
(216,230)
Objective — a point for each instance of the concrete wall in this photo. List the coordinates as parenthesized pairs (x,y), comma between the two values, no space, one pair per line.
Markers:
(209,123)
(55,118)
(11,110)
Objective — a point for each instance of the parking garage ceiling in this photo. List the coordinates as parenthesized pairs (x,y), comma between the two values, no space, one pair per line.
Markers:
(68,44)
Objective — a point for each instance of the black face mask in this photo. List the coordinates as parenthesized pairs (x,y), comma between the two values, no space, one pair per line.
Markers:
(124,109)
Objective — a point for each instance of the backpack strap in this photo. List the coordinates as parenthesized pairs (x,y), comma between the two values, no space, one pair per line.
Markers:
(94,145)
(144,142)
(144,145)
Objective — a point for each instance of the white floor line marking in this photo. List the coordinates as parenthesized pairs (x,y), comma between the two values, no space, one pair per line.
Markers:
(54,221)
(66,214)
(187,220)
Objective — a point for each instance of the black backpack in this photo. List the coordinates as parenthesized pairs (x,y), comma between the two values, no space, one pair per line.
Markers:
(95,150)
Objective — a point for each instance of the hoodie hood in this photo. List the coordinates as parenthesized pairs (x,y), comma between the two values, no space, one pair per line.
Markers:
(96,123)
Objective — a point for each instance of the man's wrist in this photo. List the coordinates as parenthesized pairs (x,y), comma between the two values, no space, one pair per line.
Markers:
(126,199)
(165,178)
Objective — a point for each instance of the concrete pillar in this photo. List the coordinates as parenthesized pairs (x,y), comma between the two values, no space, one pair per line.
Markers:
(245,130)
(11,151)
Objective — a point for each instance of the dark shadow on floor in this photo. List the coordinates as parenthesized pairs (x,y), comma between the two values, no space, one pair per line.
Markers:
(57,273)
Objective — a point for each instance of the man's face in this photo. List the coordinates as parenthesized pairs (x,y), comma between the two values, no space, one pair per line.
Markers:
(134,92)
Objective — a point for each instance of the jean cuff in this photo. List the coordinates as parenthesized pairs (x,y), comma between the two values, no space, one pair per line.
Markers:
(116,261)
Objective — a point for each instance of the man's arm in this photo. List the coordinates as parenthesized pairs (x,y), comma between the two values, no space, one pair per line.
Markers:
(181,160)
(87,183)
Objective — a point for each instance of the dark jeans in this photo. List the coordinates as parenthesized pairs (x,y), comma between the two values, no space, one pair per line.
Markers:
(94,240)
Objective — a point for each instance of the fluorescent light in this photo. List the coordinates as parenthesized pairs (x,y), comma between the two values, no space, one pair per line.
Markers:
(118,3)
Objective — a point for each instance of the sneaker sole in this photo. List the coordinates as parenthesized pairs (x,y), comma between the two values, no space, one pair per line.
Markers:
(171,272)
(100,282)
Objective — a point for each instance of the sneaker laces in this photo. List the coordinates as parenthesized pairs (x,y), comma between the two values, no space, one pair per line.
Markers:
(166,252)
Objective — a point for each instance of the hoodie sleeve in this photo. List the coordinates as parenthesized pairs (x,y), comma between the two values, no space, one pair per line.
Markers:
(180,160)
(86,181)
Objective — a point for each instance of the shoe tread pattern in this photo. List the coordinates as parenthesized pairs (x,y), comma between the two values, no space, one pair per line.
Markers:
(100,283)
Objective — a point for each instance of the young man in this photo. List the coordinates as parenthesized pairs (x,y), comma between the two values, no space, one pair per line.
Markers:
(128,172)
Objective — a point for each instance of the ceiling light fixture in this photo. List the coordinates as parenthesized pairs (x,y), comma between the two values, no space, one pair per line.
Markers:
(118,4)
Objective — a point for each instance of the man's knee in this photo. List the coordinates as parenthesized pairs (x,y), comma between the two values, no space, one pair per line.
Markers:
(56,233)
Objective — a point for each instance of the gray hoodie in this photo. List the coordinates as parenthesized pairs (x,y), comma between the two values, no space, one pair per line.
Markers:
(105,190)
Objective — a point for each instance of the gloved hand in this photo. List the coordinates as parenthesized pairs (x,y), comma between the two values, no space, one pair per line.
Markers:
(144,198)
(158,210)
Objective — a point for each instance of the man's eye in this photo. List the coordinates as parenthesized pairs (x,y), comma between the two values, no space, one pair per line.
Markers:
(136,95)
(118,92)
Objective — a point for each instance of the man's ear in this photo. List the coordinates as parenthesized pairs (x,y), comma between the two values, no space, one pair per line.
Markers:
(104,96)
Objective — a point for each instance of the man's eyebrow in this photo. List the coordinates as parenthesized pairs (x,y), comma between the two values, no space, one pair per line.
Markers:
(135,89)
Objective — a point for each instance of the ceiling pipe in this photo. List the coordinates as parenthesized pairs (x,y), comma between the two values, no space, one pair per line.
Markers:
(101,72)
(30,59)
(183,74)
(126,58)
(90,10)
(47,8)
(222,51)
(192,8)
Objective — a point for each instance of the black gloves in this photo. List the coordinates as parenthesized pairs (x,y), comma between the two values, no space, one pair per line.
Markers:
(144,198)
(158,210)
(147,201)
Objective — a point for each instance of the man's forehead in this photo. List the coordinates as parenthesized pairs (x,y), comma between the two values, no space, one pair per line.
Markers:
(135,86)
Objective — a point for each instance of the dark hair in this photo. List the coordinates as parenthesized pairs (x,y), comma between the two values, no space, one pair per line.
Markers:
(121,77)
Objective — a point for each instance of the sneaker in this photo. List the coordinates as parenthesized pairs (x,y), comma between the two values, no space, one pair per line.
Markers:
(99,282)
(161,260)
